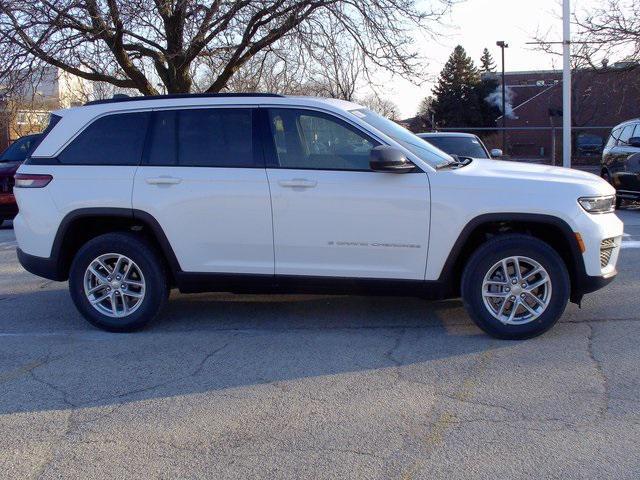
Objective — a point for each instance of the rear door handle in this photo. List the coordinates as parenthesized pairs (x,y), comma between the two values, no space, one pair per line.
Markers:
(164,180)
(298,183)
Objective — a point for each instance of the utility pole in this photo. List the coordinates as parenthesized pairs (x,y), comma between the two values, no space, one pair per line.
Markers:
(502,44)
(566,84)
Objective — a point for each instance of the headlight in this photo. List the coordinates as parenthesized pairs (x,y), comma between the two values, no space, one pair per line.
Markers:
(598,204)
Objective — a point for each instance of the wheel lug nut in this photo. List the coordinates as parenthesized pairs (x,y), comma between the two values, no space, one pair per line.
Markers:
(118,277)
(109,278)
(508,289)
(123,286)
(514,281)
(108,289)
(513,297)
(524,285)
(522,295)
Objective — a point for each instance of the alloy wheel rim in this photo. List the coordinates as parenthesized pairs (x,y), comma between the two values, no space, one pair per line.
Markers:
(114,285)
(516,290)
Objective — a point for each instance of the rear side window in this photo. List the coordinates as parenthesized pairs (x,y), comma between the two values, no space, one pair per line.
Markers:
(208,137)
(112,140)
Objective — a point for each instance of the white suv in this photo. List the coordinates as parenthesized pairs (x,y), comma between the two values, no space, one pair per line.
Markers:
(127,198)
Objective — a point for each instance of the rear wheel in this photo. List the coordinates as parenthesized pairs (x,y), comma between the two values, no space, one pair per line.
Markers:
(515,287)
(118,282)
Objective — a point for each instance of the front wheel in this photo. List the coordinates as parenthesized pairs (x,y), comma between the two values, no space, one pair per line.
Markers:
(515,287)
(118,282)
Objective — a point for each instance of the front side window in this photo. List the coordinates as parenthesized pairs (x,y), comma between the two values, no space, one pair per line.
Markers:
(626,134)
(111,140)
(613,138)
(207,137)
(305,139)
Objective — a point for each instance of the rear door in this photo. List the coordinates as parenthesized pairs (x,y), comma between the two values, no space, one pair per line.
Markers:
(203,179)
(332,215)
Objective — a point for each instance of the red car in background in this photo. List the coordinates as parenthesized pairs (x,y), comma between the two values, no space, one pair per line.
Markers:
(10,160)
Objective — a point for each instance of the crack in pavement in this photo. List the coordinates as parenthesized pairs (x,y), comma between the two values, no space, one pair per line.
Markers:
(604,408)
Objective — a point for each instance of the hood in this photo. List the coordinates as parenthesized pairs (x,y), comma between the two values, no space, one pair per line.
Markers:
(527,173)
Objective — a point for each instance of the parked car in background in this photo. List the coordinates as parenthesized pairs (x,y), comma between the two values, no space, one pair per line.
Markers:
(589,144)
(10,160)
(463,145)
(621,161)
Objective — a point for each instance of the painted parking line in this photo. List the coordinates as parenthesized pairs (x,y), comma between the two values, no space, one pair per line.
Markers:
(629,242)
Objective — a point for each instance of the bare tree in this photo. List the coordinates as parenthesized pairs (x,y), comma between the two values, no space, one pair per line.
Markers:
(611,29)
(139,44)
(383,106)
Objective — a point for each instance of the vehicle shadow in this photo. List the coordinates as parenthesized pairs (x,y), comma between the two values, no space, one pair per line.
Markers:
(223,344)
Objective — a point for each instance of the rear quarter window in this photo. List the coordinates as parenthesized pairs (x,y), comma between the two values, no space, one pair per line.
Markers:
(116,139)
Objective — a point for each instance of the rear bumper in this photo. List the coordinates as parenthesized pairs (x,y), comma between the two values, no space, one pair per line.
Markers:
(41,266)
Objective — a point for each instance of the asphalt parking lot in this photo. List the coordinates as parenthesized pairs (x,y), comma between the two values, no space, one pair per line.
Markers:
(231,386)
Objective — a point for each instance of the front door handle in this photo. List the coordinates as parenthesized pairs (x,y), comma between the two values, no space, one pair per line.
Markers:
(164,180)
(298,183)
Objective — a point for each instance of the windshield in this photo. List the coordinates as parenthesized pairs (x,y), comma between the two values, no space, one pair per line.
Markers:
(18,150)
(462,146)
(404,137)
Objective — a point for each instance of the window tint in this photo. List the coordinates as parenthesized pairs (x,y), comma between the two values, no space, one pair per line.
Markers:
(211,137)
(162,149)
(306,139)
(111,140)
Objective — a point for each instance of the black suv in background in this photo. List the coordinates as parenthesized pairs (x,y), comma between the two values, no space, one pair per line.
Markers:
(621,160)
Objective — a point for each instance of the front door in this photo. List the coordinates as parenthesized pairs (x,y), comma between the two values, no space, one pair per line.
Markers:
(332,215)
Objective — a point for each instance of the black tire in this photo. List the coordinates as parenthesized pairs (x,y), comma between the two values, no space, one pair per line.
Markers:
(618,203)
(145,257)
(493,251)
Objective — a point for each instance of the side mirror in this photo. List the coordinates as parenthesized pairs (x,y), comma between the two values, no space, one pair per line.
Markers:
(496,153)
(389,159)
(634,142)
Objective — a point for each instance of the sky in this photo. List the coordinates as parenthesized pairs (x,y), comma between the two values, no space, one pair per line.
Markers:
(476,24)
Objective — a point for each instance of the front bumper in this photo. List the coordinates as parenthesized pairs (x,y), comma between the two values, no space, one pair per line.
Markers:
(587,284)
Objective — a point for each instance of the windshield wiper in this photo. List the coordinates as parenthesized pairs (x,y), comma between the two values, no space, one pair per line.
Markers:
(456,162)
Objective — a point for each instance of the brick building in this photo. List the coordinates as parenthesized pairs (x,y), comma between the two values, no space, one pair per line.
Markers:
(600,98)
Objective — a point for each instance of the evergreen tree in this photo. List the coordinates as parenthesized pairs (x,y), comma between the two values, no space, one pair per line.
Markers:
(456,97)
(487,64)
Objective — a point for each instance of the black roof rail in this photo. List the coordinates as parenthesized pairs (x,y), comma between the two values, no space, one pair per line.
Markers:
(122,98)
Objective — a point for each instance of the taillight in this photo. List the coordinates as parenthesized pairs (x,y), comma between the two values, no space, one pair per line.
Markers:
(30,180)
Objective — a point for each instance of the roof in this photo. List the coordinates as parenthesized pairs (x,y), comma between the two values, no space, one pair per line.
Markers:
(126,98)
(75,119)
(121,104)
(445,134)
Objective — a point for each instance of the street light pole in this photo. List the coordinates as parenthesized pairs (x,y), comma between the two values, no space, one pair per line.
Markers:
(503,45)
(566,84)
